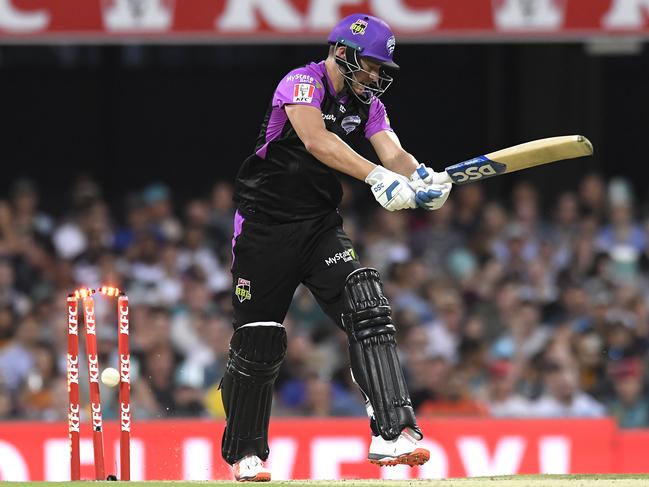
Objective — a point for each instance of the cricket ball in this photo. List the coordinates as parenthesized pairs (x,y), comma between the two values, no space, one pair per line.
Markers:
(110,377)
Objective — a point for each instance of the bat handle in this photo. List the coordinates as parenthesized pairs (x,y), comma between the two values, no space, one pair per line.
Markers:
(444,178)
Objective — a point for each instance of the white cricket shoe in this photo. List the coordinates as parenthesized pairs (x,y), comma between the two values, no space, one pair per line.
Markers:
(401,451)
(250,469)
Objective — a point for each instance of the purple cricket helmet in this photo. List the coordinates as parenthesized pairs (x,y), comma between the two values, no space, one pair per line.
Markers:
(364,36)
(370,36)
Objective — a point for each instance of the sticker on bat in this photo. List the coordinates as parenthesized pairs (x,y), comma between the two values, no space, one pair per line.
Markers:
(474,169)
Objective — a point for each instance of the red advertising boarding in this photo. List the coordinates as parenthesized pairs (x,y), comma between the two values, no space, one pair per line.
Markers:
(331,449)
(309,20)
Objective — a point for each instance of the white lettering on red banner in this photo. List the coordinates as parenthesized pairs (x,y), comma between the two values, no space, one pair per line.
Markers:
(529,14)
(554,454)
(627,14)
(505,460)
(13,465)
(335,448)
(327,455)
(311,20)
(197,459)
(323,14)
(241,15)
(401,17)
(282,460)
(22,21)
(143,15)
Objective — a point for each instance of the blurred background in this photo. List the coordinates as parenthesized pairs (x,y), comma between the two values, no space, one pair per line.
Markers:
(123,125)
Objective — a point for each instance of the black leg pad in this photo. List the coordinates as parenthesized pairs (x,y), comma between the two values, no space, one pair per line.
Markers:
(373,353)
(256,354)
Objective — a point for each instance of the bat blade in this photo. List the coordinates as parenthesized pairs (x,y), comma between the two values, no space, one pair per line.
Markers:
(522,156)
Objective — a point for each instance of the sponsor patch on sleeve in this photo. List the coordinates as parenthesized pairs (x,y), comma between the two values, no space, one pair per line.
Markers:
(303,92)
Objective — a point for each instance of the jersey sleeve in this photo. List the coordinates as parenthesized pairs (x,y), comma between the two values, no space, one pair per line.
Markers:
(299,87)
(377,119)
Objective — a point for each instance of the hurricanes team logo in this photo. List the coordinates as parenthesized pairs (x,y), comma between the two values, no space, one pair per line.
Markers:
(350,123)
(390,44)
(242,291)
(358,27)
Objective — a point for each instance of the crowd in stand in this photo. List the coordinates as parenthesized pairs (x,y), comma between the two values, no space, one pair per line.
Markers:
(504,307)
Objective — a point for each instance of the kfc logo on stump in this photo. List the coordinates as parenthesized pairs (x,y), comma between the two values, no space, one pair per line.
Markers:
(73,418)
(125,368)
(123,320)
(125,417)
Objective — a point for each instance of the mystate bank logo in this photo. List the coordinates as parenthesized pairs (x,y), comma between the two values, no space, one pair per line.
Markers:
(344,256)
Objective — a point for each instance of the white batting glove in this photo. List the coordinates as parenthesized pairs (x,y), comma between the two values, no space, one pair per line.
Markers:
(428,176)
(430,191)
(391,190)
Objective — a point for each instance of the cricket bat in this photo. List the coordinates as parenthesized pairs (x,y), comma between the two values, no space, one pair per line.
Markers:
(523,156)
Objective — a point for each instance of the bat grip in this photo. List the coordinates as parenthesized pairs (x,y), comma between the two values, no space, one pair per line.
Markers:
(444,178)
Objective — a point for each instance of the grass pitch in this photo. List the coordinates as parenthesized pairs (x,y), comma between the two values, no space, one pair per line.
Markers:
(614,480)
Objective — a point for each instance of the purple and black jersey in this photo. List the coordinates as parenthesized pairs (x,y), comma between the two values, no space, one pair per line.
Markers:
(281,181)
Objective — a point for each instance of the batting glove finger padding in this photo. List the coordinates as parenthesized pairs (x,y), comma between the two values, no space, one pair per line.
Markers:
(427,176)
(390,189)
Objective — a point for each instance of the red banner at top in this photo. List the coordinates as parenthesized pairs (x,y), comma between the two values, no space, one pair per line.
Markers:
(310,20)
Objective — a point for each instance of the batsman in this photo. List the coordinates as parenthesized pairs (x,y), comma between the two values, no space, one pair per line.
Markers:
(287,231)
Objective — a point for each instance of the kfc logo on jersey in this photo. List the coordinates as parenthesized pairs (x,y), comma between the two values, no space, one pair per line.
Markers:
(303,93)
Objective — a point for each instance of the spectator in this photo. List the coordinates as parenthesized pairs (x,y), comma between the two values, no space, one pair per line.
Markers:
(6,404)
(630,406)
(588,346)
(502,399)
(524,335)
(562,397)
(455,400)
(165,225)
(15,358)
(444,333)
(221,213)
(592,196)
